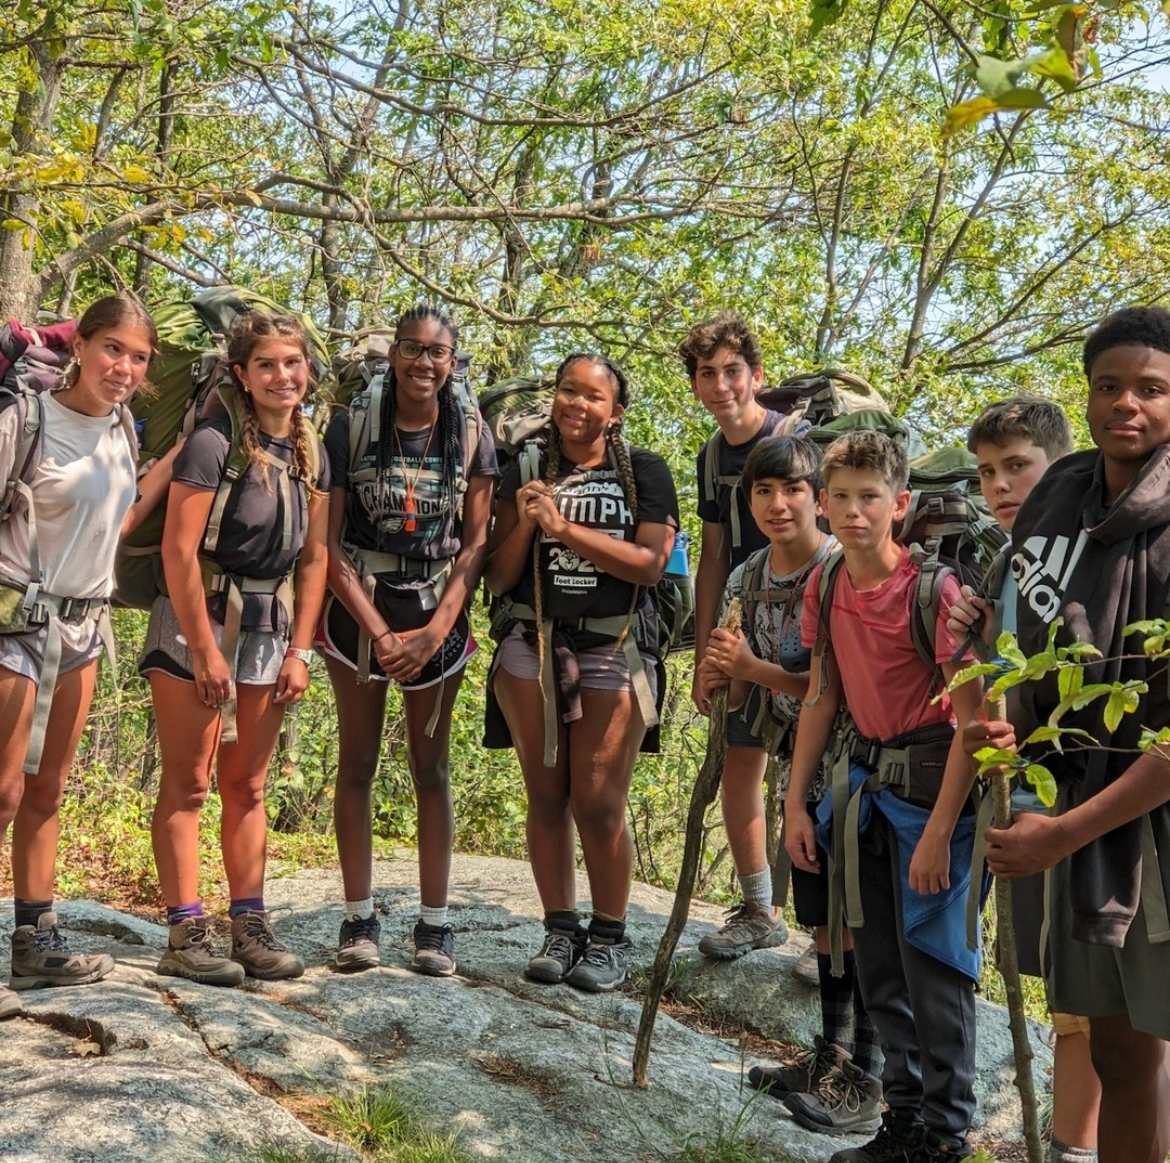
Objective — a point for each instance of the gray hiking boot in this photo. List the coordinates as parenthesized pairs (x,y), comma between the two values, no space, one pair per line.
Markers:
(190,955)
(255,947)
(42,957)
(9,1004)
(603,965)
(434,949)
(805,967)
(801,1076)
(845,1101)
(562,949)
(898,1141)
(357,944)
(750,925)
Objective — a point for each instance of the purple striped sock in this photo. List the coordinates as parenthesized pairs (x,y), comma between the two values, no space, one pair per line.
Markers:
(181,913)
(246,904)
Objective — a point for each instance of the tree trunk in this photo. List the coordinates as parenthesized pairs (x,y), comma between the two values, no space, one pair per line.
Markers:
(31,126)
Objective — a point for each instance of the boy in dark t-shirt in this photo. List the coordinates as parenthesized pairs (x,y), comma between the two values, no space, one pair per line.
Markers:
(725,369)
(1091,546)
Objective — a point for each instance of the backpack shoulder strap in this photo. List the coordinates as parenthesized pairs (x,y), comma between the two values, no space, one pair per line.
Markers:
(753,591)
(826,587)
(932,575)
(29,442)
(528,458)
(365,416)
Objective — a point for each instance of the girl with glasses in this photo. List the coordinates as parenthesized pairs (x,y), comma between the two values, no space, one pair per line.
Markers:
(408,527)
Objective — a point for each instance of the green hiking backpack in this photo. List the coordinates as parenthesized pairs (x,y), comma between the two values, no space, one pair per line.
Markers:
(516,410)
(188,373)
(821,406)
(949,530)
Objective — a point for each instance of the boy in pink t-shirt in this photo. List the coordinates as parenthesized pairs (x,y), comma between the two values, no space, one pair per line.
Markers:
(917,976)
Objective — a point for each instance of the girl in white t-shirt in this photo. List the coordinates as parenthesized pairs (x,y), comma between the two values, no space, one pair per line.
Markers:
(81,492)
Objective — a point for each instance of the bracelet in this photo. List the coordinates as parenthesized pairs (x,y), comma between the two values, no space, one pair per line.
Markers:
(381,636)
(306,656)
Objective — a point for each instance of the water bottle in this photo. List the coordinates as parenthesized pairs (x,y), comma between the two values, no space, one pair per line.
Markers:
(677,566)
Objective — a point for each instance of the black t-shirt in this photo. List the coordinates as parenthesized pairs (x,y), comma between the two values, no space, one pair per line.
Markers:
(573,586)
(731,461)
(376,511)
(252,528)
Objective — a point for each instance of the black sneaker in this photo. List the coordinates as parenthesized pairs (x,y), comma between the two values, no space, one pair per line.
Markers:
(357,945)
(434,950)
(561,951)
(934,1149)
(802,1076)
(603,965)
(899,1141)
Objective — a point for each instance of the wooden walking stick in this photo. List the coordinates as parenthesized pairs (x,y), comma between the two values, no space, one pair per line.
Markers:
(702,796)
(1008,961)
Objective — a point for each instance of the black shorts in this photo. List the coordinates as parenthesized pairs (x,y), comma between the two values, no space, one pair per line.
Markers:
(403,610)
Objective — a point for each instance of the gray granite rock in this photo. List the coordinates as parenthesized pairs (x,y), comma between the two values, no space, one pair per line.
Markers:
(141,1067)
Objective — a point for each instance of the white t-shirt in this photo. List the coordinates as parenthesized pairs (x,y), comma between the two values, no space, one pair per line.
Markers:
(82,490)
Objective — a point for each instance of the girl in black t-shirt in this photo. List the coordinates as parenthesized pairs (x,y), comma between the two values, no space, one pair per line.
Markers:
(408,525)
(572,559)
(209,653)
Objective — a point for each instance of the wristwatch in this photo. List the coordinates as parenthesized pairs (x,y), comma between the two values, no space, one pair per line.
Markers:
(306,656)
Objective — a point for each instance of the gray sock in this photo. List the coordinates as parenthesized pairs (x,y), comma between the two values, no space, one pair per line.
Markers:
(1059,1152)
(758,887)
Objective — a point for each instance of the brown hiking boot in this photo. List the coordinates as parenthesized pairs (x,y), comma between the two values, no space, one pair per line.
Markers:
(847,1101)
(801,1076)
(255,947)
(750,925)
(9,1004)
(42,957)
(190,955)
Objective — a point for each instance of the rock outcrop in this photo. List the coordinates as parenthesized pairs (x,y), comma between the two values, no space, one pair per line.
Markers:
(145,1068)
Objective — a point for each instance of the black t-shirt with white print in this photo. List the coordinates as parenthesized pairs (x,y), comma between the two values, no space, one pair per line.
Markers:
(377,517)
(573,586)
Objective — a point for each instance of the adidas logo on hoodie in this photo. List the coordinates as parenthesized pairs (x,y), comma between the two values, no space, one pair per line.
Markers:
(1042,567)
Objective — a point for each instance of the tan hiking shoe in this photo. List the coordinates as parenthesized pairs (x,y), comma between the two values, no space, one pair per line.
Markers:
(800,1076)
(42,957)
(9,1004)
(748,926)
(255,947)
(190,955)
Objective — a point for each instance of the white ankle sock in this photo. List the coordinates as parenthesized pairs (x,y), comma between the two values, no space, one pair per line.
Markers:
(359,910)
(436,917)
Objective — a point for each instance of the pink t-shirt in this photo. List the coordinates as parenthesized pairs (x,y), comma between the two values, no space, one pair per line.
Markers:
(885,682)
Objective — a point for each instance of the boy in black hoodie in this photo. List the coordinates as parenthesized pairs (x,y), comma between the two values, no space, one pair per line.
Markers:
(1091,545)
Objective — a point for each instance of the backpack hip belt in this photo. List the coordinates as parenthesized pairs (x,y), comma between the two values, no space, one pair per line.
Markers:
(371,564)
(896,765)
(235,587)
(613,627)
(38,608)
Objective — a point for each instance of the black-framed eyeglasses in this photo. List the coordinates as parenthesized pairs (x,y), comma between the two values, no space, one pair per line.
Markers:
(412,349)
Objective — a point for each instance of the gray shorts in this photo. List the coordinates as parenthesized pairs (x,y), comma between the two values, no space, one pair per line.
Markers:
(602,668)
(24,654)
(1101,981)
(259,658)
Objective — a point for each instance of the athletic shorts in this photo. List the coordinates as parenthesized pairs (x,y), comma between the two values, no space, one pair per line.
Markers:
(338,636)
(601,667)
(258,660)
(810,890)
(739,723)
(1028,922)
(1101,981)
(24,654)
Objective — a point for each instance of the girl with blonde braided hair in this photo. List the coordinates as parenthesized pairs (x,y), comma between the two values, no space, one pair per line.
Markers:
(272,524)
(573,555)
